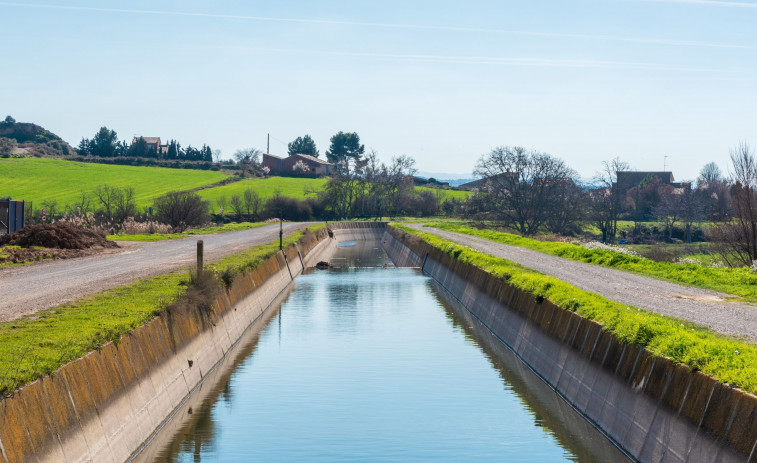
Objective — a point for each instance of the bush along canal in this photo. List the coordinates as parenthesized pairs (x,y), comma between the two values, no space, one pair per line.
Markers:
(397,350)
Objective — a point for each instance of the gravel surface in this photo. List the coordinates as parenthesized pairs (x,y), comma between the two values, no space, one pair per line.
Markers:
(28,289)
(700,306)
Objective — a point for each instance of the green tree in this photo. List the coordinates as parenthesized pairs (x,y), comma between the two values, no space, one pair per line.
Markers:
(139,149)
(303,145)
(7,145)
(9,120)
(105,143)
(345,146)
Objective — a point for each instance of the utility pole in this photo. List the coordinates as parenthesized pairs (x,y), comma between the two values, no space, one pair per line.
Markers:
(665,163)
(281,232)
(268,146)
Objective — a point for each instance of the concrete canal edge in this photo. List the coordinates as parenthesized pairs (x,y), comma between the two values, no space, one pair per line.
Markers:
(653,409)
(108,404)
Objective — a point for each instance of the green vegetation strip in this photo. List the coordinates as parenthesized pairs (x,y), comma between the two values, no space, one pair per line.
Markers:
(729,360)
(266,188)
(176,236)
(37,345)
(741,282)
(39,180)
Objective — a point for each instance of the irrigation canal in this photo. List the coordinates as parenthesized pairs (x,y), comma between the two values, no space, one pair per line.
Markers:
(368,362)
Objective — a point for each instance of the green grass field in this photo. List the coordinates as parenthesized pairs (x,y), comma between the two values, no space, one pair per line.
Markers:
(299,188)
(445,195)
(730,360)
(266,188)
(38,180)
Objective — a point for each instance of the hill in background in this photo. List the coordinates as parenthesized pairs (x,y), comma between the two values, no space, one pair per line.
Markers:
(28,138)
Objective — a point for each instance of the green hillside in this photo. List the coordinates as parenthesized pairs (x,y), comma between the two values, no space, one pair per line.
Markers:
(445,195)
(39,179)
(266,187)
(299,188)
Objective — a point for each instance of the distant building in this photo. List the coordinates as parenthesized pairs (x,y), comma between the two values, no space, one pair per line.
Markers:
(298,165)
(153,143)
(631,178)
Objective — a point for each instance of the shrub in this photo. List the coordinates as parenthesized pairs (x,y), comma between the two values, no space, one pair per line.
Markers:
(181,210)
(288,209)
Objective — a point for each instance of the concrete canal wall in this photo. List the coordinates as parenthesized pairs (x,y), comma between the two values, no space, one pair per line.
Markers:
(106,405)
(650,407)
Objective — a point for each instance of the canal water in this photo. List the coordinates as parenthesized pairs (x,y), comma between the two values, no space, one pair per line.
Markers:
(376,363)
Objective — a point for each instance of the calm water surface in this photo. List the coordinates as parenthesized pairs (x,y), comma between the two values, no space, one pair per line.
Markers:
(371,364)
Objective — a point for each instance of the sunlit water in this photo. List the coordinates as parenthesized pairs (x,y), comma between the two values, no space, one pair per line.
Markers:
(369,365)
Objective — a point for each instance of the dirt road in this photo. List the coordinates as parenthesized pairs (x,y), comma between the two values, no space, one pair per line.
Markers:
(701,306)
(27,289)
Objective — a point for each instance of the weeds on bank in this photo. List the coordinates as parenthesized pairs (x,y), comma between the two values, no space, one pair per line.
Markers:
(729,360)
(39,344)
(740,282)
(149,237)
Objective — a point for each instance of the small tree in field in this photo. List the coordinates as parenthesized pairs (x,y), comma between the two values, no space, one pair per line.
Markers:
(237,205)
(222,202)
(181,210)
(252,202)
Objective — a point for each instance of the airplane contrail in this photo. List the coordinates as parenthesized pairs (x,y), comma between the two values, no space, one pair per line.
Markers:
(609,38)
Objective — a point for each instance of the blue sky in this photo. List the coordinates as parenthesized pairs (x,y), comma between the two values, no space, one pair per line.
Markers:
(444,82)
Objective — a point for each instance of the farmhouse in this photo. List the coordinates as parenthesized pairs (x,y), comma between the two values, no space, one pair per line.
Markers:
(631,178)
(153,143)
(297,164)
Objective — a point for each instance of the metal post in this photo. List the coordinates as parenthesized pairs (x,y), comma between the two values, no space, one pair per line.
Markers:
(281,234)
(199,257)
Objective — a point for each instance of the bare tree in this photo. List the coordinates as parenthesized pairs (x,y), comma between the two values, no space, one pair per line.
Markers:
(248,159)
(569,204)
(252,202)
(521,185)
(670,207)
(693,207)
(236,204)
(710,173)
(738,237)
(607,198)
(216,156)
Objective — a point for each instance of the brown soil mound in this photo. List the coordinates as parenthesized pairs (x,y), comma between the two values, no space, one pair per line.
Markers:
(60,235)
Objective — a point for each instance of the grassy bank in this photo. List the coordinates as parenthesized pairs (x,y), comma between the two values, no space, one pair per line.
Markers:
(731,361)
(37,345)
(39,179)
(175,236)
(740,282)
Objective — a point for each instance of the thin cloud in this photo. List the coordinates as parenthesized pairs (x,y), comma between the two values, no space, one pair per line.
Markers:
(704,2)
(605,38)
(510,61)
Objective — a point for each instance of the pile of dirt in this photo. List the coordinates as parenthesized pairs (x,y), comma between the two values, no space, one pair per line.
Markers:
(59,235)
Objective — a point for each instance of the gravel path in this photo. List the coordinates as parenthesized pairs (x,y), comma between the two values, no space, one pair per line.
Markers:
(28,289)
(701,306)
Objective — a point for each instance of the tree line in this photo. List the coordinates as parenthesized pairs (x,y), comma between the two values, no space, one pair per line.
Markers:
(531,191)
(105,144)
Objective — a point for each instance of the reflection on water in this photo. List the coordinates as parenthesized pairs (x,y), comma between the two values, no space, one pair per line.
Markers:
(367,364)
